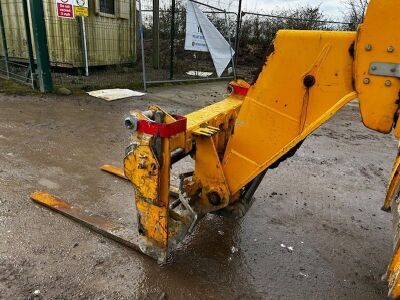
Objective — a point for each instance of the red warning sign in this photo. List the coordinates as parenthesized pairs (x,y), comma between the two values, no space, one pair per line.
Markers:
(65,9)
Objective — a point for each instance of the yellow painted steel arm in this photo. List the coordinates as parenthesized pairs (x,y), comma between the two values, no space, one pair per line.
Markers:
(394,184)
(304,82)
(377,44)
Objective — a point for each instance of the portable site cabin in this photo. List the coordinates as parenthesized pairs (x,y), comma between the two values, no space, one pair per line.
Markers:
(110,29)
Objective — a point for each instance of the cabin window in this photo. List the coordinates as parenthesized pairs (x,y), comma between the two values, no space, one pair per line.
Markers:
(107,7)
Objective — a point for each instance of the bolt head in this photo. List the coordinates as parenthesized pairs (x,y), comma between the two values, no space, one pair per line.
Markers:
(390,49)
(374,68)
(366,81)
(368,47)
(388,83)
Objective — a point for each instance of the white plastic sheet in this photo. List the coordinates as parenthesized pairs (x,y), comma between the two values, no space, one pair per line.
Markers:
(199,73)
(115,94)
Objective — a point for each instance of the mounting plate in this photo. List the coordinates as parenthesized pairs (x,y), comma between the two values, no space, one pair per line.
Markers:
(385,69)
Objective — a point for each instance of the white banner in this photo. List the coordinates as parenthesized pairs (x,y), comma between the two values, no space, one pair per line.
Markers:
(202,34)
(194,40)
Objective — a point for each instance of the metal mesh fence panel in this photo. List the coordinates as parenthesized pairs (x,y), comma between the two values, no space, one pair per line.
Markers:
(14,43)
(111,37)
(183,65)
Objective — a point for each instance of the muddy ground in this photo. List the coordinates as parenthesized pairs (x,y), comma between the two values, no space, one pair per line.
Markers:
(324,202)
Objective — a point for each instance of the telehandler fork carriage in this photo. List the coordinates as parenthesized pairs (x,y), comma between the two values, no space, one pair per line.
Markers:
(308,78)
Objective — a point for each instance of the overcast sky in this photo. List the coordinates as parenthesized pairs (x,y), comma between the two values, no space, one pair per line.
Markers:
(331,8)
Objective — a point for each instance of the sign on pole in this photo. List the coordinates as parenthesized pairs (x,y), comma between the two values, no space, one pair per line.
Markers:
(201,35)
(65,9)
(195,40)
(81,8)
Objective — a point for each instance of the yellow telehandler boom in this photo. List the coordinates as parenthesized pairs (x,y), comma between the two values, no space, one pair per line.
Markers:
(307,79)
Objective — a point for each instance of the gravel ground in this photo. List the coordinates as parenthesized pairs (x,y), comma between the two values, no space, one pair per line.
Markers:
(324,202)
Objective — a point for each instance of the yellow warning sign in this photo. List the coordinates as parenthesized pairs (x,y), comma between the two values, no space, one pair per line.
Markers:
(81,11)
(81,8)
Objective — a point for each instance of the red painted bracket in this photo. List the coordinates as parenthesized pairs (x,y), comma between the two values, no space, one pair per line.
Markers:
(239,90)
(162,129)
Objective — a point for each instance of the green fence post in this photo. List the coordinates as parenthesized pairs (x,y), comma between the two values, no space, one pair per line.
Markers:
(42,51)
(156,34)
(29,42)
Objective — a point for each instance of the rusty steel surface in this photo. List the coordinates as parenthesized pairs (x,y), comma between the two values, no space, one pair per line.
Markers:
(117,171)
(99,224)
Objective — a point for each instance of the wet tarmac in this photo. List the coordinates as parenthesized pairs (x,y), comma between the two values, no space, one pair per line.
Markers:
(324,203)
